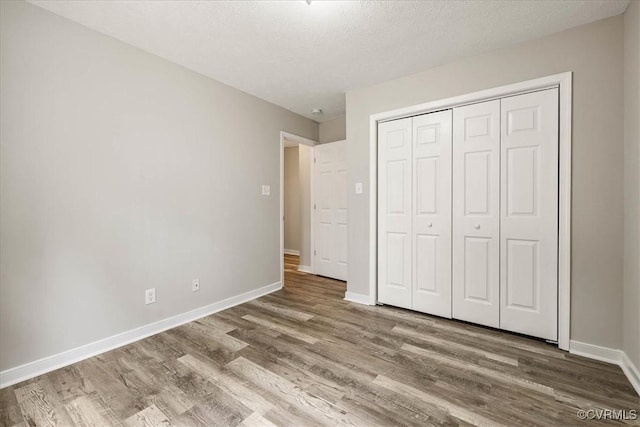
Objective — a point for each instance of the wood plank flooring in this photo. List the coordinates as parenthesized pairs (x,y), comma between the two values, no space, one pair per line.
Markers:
(304,357)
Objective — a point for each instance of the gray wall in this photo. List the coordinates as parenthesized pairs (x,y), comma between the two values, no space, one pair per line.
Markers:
(631,310)
(594,53)
(333,130)
(121,171)
(291,199)
(305,158)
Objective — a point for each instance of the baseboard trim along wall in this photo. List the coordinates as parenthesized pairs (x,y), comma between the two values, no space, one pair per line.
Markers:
(592,351)
(60,360)
(358,298)
(291,252)
(305,269)
(631,371)
(609,355)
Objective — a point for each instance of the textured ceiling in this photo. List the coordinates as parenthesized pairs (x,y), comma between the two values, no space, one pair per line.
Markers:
(303,56)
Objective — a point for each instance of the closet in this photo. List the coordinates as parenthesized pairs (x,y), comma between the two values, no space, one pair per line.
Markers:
(468,213)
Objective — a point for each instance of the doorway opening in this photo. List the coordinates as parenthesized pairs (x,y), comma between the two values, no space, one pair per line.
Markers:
(296,203)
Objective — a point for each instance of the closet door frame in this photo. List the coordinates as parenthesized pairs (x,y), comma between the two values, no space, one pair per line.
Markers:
(563,82)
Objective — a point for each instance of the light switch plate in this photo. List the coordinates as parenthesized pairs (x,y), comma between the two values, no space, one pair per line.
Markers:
(266,190)
(358,188)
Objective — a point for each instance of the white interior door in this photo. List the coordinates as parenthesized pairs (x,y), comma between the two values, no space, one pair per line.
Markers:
(330,193)
(529,219)
(394,212)
(432,213)
(476,213)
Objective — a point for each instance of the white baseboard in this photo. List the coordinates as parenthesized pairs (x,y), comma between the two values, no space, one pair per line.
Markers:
(305,269)
(291,252)
(56,361)
(357,298)
(596,352)
(631,371)
(609,355)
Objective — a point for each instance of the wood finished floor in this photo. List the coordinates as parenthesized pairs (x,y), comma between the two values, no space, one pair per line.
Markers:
(304,357)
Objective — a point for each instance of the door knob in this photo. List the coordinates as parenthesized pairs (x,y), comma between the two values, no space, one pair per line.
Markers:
(430,225)
(477,226)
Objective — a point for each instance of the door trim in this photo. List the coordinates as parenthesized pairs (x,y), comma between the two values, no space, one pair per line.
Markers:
(563,81)
(310,143)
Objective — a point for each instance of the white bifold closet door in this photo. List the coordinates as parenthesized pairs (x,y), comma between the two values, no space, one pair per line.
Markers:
(394,212)
(529,219)
(468,213)
(505,213)
(476,213)
(414,213)
(431,232)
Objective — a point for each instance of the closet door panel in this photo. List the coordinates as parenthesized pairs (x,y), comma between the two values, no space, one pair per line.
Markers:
(395,170)
(529,217)
(476,213)
(431,269)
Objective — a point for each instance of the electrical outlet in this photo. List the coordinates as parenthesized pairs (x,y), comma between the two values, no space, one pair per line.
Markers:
(195,285)
(266,190)
(150,296)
